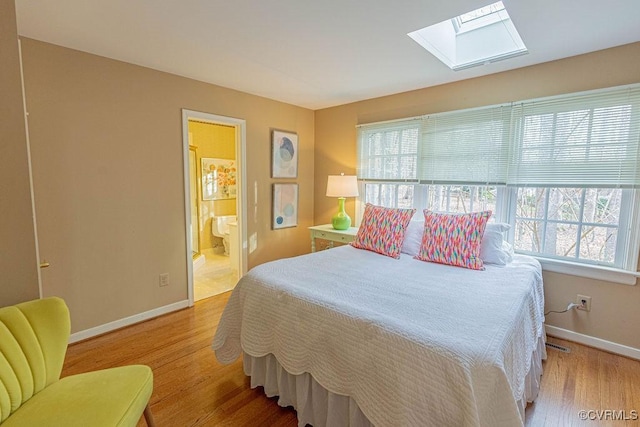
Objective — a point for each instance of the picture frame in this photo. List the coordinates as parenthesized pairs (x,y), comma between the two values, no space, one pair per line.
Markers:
(284,154)
(285,206)
(218,178)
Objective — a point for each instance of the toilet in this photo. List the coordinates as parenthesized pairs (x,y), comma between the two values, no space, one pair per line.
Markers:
(220,228)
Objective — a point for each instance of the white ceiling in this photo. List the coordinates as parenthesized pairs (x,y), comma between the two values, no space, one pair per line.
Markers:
(314,54)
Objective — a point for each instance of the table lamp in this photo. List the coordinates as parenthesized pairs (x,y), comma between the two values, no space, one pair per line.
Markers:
(342,186)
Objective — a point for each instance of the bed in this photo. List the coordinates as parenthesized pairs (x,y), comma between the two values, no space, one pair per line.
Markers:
(352,337)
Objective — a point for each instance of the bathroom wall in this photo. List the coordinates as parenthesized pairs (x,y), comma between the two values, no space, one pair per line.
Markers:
(216,141)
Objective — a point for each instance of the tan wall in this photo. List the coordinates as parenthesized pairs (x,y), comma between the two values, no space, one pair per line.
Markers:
(213,141)
(106,140)
(18,261)
(614,314)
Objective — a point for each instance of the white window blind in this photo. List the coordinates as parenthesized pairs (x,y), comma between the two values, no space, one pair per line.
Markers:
(584,140)
(577,140)
(389,151)
(468,146)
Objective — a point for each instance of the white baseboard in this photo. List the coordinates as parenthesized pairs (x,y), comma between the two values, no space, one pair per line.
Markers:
(598,343)
(127,321)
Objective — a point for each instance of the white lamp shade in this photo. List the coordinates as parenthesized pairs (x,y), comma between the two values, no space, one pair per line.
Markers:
(342,186)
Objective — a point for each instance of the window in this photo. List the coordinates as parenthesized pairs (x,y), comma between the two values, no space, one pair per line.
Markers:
(563,171)
(570,223)
(390,195)
(461,198)
(438,198)
(390,152)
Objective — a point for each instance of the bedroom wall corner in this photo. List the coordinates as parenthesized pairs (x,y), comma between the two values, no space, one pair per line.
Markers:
(19,262)
(614,313)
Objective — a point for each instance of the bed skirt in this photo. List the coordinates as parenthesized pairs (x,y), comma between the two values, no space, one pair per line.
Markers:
(319,407)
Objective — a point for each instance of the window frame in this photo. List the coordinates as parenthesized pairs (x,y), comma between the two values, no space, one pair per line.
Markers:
(627,240)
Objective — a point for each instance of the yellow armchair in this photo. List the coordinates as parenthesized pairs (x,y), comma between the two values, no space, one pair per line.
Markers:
(33,343)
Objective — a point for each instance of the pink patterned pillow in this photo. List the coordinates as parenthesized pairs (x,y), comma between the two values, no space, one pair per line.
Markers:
(382,230)
(453,239)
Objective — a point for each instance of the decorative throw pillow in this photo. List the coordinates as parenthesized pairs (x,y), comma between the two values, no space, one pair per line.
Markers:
(493,248)
(453,239)
(382,230)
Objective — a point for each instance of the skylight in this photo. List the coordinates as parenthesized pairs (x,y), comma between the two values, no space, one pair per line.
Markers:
(474,38)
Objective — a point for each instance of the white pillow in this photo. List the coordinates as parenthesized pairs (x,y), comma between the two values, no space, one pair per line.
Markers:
(498,226)
(413,238)
(493,248)
(508,248)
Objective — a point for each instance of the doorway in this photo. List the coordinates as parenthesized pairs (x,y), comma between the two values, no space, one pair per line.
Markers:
(215,207)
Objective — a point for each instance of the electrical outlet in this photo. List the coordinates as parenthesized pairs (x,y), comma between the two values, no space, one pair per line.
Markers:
(164,279)
(584,302)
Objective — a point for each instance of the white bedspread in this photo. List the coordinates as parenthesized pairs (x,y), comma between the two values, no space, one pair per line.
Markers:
(413,343)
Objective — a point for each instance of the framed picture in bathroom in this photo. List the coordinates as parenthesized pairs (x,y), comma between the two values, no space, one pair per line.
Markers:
(284,154)
(218,178)
(285,206)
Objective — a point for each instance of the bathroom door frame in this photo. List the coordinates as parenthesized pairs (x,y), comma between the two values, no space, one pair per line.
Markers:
(241,188)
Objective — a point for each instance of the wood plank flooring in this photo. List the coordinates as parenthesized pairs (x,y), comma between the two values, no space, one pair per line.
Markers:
(192,389)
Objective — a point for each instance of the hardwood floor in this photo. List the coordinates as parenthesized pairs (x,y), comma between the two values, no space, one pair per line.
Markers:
(192,389)
(586,379)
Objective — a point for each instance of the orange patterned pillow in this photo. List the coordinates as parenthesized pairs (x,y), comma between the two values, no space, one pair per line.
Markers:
(382,230)
(453,239)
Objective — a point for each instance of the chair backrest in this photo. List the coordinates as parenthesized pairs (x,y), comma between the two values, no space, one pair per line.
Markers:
(33,343)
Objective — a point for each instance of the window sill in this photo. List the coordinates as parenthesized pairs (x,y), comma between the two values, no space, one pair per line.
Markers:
(598,272)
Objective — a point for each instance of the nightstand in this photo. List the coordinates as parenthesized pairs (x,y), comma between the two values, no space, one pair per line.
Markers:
(327,232)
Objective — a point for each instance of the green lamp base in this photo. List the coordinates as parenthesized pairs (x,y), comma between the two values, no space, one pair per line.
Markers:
(341,221)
